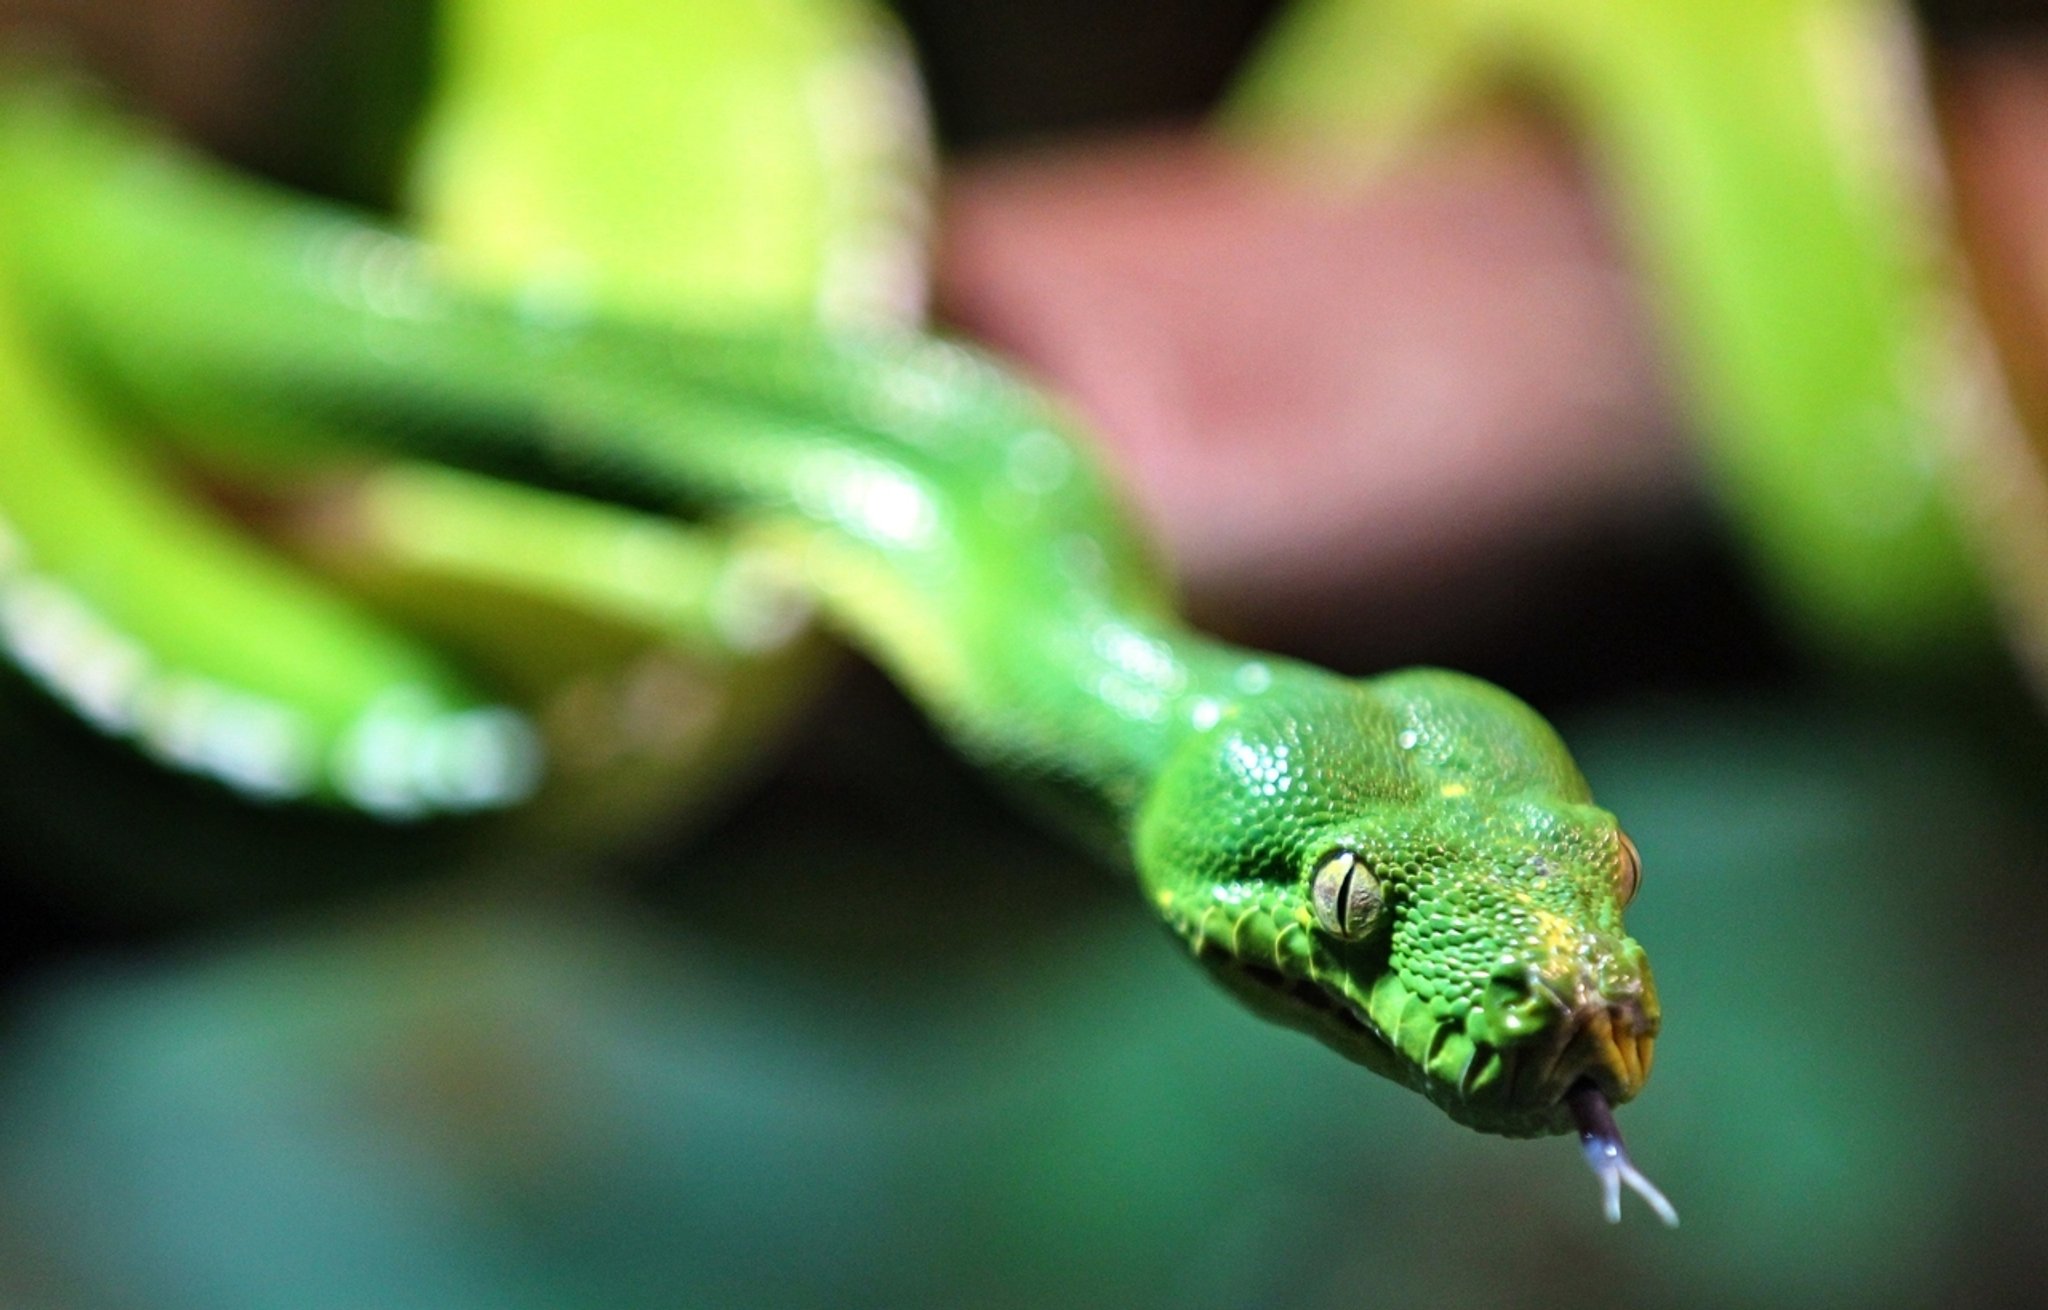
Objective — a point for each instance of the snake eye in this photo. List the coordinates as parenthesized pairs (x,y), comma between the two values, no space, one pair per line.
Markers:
(1630,874)
(1345,896)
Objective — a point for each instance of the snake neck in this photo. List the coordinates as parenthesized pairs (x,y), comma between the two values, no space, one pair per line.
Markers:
(1087,711)
(1051,656)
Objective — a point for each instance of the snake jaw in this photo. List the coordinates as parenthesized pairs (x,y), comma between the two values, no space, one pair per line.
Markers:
(1515,1089)
(1512,1079)
(1507,1078)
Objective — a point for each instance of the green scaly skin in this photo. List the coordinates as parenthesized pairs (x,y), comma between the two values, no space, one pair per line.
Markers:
(944,521)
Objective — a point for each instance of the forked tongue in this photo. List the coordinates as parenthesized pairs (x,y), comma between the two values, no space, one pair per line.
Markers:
(1608,1156)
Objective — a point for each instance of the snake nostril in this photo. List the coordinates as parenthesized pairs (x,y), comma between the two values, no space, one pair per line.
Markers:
(1630,1018)
(1518,1000)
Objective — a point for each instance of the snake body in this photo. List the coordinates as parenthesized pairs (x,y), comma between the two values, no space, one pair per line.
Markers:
(1410,867)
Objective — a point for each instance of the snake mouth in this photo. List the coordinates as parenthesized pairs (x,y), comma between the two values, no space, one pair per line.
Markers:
(1605,1043)
(1568,1076)
(1516,1088)
(1524,1087)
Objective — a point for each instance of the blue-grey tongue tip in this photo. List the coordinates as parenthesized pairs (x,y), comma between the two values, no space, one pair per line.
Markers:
(1600,1137)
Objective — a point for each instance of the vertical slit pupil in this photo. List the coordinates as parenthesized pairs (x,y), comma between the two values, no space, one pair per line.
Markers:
(1344,914)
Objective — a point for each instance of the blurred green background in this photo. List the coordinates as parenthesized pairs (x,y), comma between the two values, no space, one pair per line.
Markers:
(871,1040)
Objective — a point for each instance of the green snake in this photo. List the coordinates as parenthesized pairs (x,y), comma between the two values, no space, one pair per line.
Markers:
(1409,867)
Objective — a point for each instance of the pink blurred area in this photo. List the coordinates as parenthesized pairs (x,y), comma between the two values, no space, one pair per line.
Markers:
(1394,388)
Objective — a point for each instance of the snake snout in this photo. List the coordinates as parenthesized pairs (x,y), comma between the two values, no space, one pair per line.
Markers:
(1607,1041)
(1564,1027)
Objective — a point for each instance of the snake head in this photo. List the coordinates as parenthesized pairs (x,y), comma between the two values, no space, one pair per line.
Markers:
(1412,869)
